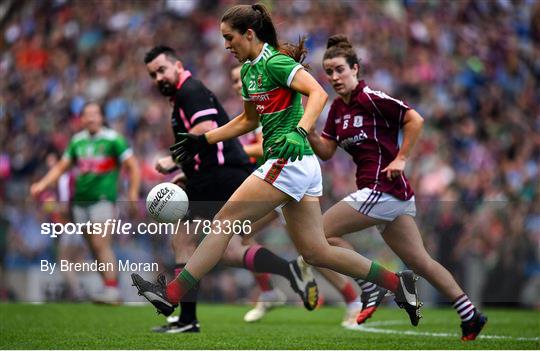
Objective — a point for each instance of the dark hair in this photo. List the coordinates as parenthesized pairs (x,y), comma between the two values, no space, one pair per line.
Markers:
(257,18)
(339,46)
(92,102)
(158,50)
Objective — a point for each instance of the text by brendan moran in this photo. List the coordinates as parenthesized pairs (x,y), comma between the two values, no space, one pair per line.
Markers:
(95,266)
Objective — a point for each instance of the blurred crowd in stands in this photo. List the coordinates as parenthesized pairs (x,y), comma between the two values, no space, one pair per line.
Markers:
(471,68)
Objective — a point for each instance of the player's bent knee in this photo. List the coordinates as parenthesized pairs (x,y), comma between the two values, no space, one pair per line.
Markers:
(233,257)
(316,256)
(329,232)
(235,249)
(338,241)
(310,258)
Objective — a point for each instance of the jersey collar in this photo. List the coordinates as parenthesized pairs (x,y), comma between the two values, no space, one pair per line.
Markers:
(361,85)
(87,134)
(359,88)
(258,58)
(183,77)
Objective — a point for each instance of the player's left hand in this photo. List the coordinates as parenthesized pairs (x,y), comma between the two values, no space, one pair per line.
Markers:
(395,168)
(291,145)
(187,147)
(166,165)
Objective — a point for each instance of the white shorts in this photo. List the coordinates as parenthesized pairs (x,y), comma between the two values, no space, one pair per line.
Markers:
(380,205)
(95,213)
(296,179)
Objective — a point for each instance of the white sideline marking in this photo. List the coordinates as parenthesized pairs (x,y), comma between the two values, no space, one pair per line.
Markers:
(370,328)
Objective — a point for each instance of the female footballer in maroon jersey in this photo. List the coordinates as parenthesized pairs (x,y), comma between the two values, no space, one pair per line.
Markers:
(368,124)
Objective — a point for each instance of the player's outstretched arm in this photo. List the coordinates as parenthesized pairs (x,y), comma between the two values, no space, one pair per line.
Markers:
(51,176)
(189,144)
(247,121)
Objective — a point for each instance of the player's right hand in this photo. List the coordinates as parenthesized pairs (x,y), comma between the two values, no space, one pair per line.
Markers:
(187,147)
(36,189)
(166,165)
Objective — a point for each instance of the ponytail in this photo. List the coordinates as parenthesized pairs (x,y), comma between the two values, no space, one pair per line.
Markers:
(267,32)
(298,52)
(257,18)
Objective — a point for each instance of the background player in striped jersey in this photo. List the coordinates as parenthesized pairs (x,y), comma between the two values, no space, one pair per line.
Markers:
(272,84)
(211,178)
(367,124)
(253,146)
(98,153)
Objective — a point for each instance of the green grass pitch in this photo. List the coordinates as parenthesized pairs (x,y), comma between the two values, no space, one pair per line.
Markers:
(85,326)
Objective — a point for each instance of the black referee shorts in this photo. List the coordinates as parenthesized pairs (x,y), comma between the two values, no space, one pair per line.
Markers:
(207,192)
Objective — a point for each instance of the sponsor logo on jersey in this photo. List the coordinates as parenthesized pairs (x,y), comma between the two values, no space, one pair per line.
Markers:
(275,100)
(96,164)
(356,139)
(261,97)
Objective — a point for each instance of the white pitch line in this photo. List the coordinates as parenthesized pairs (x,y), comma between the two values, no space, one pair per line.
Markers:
(370,328)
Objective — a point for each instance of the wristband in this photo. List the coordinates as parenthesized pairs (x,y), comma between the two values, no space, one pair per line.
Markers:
(302,131)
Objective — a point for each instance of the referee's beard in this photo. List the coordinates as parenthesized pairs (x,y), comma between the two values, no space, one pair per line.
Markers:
(166,89)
